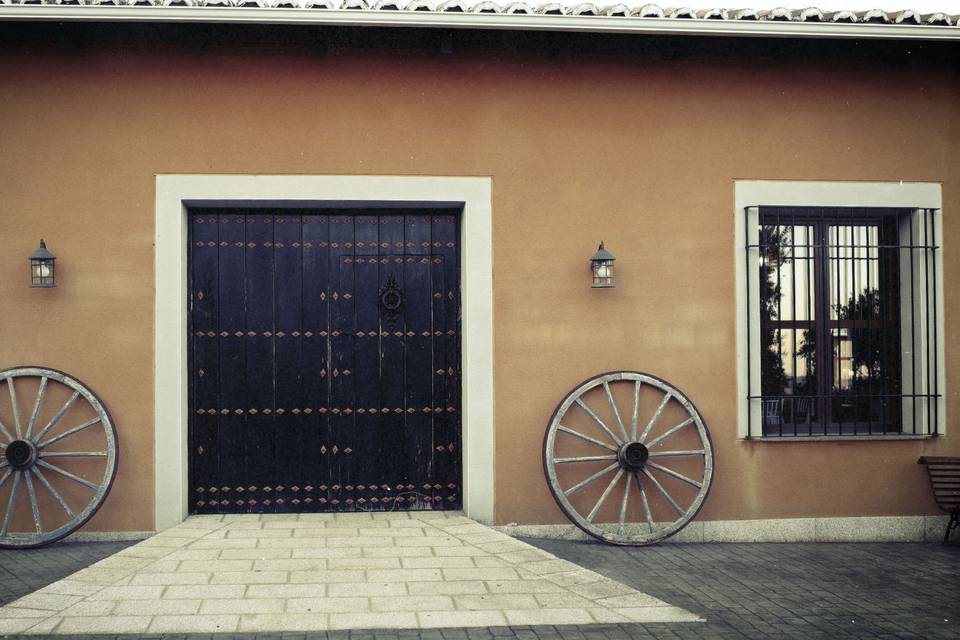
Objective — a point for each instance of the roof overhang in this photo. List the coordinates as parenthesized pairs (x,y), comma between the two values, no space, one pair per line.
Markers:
(464,20)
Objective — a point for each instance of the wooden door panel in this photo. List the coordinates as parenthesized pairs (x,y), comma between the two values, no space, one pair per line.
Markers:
(306,392)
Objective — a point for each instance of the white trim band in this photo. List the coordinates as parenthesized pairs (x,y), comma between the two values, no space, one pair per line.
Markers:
(856,529)
(460,20)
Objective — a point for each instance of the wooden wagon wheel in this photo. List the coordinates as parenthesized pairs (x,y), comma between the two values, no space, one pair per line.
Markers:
(62,455)
(633,437)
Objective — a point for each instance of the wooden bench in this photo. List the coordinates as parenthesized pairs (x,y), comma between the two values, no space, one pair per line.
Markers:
(945,481)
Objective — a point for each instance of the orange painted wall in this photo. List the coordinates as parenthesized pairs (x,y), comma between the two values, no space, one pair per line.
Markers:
(638,149)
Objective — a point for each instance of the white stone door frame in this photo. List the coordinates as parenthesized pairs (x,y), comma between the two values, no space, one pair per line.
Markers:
(175,193)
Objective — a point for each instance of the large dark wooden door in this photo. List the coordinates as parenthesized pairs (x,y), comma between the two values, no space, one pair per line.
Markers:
(324,360)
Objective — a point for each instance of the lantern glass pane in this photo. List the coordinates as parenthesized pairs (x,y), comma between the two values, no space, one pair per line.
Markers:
(603,273)
(41,273)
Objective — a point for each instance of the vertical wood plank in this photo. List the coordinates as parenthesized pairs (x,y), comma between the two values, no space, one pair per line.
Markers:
(447,409)
(232,364)
(203,367)
(390,466)
(365,443)
(315,467)
(418,365)
(261,375)
(342,356)
(289,420)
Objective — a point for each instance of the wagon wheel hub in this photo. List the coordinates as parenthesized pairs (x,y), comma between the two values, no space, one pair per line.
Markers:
(21,454)
(632,456)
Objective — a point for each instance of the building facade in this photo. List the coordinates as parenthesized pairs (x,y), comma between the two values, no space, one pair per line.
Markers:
(780,211)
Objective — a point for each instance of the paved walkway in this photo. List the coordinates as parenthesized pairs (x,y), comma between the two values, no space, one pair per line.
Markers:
(315,572)
(803,591)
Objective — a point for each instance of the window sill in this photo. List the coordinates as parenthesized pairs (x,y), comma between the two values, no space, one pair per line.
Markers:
(828,438)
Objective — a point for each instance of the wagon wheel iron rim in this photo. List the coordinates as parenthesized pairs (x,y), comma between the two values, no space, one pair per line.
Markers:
(34,463)
(628,459)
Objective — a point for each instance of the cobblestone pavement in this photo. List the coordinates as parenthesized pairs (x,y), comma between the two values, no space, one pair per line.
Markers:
(785,591)
(804,591)
(23,571)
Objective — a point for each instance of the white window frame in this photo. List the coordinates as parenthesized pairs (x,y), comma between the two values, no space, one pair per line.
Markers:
(752,194)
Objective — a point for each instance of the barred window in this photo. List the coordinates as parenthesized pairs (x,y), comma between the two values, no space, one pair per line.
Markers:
(843,321)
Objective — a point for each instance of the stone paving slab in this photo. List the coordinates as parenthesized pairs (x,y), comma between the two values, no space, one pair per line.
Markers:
(318,572)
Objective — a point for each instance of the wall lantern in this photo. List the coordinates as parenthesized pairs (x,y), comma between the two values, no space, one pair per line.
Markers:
(42,267)
(601,263)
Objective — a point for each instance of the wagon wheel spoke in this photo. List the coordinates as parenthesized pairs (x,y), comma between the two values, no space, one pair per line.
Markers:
(666,434)
(613,409)
(36,406)
(656,416)
(6,434)
(53,421)
(73,454)
(678,476)
(600,422)
(67,474)
(646,503)
(673,503)
(580,485)
(577,434)
(583,459)
(69,433)
(53,492)
(632,460)
(10,503)
(26,453)
(623,505)
(674,454)
(604,495)
(13,406)
(33,503)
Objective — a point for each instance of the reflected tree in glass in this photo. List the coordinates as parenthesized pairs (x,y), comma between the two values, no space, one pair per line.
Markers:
(774,251)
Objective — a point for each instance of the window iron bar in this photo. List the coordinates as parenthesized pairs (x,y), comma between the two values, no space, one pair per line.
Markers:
(849,246)
(847,397)
(913,360)
(851,283)
(936,342)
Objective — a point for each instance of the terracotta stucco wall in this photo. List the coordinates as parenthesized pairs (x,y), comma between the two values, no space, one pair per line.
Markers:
(641,151)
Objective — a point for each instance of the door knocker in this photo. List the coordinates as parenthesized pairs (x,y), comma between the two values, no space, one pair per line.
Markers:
(391,300)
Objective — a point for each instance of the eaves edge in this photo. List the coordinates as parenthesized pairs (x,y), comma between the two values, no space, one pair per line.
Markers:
(457,20)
